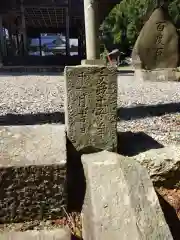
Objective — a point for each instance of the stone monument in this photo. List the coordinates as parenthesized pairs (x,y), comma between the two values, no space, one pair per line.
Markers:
(156,50)
(91,105)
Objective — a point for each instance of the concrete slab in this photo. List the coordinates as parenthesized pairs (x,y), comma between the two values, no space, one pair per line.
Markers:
(59,234)
(32,145)
(33,172)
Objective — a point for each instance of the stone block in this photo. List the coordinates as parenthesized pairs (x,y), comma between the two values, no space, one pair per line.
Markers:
(158,75)
(91,107)
(163,165)
(59,234)
(120,201)
(32,145)
(32,172)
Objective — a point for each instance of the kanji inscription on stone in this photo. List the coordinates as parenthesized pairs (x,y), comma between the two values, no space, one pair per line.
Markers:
(91,107)
(157,46)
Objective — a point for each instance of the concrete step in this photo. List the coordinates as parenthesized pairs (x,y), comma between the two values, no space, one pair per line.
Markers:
(32,172)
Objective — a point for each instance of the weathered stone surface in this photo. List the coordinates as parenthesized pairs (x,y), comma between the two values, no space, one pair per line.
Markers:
(91,105)
(163,165)
(120,201)
(32,172)
(59,234)
(177,75)
(32,192)
(157,75)
(157,44)
(31,145)
(136,60)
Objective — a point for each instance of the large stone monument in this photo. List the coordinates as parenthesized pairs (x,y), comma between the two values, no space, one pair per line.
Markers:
(91,105)
(157,47)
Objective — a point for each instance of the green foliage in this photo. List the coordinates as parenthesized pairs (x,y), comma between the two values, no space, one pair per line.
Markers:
(174,11)
(124,23)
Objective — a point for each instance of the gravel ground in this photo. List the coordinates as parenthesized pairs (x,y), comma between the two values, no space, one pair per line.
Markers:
(31,94)
(133,94)
(35,94)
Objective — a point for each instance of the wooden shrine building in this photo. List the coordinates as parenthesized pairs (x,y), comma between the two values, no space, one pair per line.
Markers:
(22,20)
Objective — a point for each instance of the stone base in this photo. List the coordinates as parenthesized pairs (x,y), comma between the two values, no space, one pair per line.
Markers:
(120,201)
(93,62)
(158,75)
(60,234)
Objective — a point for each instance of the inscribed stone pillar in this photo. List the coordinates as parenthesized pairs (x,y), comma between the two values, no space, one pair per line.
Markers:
(91,29)
(91,105)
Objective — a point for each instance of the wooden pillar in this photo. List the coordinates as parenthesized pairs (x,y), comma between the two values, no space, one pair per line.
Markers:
(80,46)
(4,43)
(40,45)
(91,29)
(10,47)
(23,28)
(1,41)
(80,41)
(18,45)
(67,32)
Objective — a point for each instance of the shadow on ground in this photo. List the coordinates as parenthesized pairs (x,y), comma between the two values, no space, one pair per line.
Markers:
(18,73)
(171,217)
(76,183)
(58,117)
(131,144)
(32,119)
(147,111)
